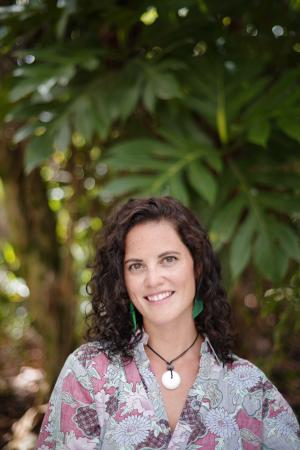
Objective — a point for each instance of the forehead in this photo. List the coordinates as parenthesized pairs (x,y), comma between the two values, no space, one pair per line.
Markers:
(153,236)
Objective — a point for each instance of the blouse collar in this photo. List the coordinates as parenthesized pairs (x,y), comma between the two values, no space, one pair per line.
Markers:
(206,347)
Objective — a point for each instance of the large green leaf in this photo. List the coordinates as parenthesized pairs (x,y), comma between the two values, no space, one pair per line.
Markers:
(288,240)
(281,202)
(128,101)
(178,189)
(259,132)
(101,115)
(165,86)
(269,259)
(126,184)
(202,181)
(138,155)
(22,89)
(226,220)
(23,133)
(291,126)
(38,150)
(83,117)
(63,134)
(149,98)
(241,248)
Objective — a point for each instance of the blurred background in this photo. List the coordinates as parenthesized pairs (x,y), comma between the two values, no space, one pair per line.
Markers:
(100,101)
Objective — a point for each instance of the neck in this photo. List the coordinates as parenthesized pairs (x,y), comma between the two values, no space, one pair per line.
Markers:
(170,340)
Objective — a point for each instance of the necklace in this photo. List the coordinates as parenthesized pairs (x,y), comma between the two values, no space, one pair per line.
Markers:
(170,378)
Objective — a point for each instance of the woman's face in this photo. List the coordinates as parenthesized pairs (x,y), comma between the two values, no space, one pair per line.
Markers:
(159,273)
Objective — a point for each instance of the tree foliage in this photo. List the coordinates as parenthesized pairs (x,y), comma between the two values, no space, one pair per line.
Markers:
(199,100)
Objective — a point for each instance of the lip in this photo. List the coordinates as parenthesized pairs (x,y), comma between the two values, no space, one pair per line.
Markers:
(159,302)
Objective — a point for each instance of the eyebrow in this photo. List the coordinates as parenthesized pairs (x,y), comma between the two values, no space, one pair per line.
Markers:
(159,256)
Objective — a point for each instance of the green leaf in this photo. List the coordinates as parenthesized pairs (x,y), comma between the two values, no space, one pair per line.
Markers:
(290,126)
(269,258)
(126,184)
(129,101)
(240,251)
(239,98)
(275,178)
(38,150)
(287,239)
(102,119)
(226,221)
(137,155)
(149,97)
(166,86)
(279,202)
(202,181)
(178,189)
(22,89)
(83,117)
(259,133)
(69,9)
(23,133)
(63,136)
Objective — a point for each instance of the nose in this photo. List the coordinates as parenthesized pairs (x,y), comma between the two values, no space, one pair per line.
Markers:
(153,277)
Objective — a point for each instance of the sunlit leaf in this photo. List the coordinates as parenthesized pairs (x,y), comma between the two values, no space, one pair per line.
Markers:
(23,133)
(22,89)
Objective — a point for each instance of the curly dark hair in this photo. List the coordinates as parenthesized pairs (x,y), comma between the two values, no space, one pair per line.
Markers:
(110,320)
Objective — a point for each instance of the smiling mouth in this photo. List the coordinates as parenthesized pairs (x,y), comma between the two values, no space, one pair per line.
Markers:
(159,297)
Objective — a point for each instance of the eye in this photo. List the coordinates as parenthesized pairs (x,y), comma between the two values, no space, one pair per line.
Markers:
(170,259)
(135,267)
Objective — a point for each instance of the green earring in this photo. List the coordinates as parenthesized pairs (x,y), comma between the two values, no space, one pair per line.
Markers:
(198,307)
(133,316)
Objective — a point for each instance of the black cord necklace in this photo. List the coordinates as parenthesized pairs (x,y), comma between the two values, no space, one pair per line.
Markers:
(171,379)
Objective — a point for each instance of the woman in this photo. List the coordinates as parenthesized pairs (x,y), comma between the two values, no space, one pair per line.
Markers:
(159,372)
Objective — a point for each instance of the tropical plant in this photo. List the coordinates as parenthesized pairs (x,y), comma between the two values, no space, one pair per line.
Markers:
(104,100)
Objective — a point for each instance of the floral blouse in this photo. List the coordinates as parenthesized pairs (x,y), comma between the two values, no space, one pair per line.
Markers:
(97,405)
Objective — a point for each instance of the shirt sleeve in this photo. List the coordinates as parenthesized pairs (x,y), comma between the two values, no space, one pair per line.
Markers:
(280,426)
(71,419)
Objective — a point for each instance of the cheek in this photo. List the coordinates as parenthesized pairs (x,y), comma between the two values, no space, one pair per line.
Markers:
(130,284)
(188,277)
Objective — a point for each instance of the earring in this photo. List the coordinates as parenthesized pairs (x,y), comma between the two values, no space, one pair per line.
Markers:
(133,316)
(198,307)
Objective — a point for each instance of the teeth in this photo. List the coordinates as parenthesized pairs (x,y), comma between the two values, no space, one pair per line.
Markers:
(157,297)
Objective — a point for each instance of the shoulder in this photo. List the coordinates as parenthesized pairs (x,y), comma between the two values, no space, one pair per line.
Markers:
(87,359)
(88,352)
(244,374)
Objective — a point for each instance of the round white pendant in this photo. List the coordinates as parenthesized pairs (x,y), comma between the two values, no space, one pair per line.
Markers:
(171,381)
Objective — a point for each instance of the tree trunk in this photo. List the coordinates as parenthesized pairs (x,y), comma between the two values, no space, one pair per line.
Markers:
(45,265)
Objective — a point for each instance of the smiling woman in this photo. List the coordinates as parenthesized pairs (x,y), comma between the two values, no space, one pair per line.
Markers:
(162,284)
(159,371)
